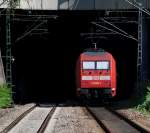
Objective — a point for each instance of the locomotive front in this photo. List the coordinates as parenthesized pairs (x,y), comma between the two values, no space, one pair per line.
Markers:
(96,74)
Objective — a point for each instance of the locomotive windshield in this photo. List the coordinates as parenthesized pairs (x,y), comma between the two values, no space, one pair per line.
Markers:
(88,65)
(102,65)
(99,65)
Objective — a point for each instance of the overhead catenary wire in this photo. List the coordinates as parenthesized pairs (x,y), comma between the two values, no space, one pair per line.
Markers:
(114,26)
(139,7)
(29,28)
(124,32)
(28,32)
(115,31)
(34,25)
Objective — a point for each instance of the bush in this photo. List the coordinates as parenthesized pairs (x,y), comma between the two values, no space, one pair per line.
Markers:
(5,96)
(144,101)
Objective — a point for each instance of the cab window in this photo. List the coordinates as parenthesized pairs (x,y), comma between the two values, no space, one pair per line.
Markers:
(102,65)
(88,65)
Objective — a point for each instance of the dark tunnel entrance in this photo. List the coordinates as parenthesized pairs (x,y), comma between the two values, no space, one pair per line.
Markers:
(44,67)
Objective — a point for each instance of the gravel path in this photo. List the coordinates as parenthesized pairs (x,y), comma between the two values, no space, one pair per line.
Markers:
(32,122)
(124,108)
(8,115)
(137,117)
(72,120)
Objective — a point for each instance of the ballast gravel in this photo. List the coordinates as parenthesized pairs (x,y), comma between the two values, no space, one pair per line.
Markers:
(8,115)
(126,109)
(136,117)
(72,120)
(32,121)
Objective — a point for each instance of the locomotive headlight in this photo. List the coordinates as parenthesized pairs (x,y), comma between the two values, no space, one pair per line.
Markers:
(113,89)
(104,77)
(86,77)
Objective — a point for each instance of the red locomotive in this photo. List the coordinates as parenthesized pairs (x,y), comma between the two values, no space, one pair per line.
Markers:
(96,74)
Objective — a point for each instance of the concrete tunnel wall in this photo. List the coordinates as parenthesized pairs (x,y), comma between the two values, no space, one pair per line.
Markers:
(145,49)
(2,74)
(75,4)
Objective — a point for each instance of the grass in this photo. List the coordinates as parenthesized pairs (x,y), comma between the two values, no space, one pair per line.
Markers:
(143,100)
(5,96)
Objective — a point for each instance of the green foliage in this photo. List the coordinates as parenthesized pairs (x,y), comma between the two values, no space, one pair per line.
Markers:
(5,96)
(144,101)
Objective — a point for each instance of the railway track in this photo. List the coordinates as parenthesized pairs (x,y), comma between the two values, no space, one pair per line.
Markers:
(16,121)
(46,121)
(34,120)
(112,122)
